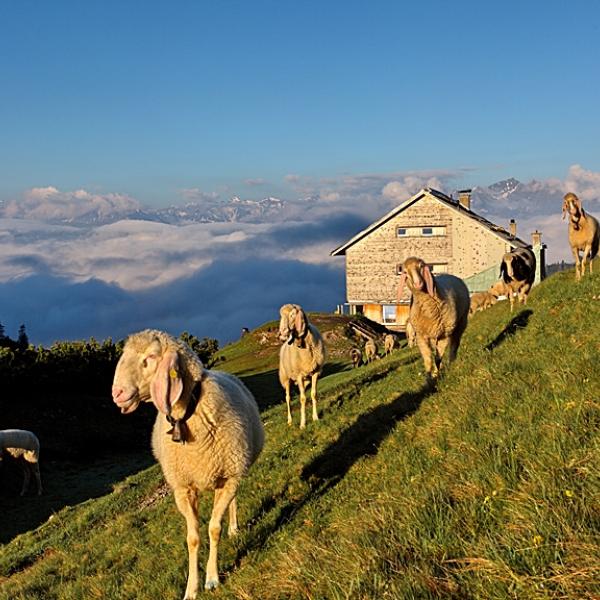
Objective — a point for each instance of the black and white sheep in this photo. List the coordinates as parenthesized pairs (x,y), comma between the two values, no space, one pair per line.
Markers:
(517,270)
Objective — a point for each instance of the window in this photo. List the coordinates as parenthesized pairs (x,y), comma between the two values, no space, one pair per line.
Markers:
(389,313)
(427,231)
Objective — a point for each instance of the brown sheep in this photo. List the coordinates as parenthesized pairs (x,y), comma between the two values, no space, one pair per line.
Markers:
(370,350)
(584,233)
(439,312)
(481,301)
(389,343)
(356,357)
(517,270)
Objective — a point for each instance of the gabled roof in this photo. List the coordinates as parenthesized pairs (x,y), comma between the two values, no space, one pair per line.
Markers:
(500,232)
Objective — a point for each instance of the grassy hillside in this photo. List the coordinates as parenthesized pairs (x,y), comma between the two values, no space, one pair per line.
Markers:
(487,487)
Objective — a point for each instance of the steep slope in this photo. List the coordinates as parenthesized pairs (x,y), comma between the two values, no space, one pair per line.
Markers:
(488,487)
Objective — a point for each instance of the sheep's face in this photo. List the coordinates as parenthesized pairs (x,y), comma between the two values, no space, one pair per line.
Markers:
(507,259)
(134,374)
(292,325)
(571,205)
(417,275)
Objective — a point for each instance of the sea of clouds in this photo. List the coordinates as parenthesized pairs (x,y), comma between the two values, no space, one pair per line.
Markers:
(71,282)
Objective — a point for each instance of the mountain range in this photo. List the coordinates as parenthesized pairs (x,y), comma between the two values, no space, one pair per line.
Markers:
(505,199)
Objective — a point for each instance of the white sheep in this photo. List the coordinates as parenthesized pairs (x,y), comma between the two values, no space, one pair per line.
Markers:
(207,432)
(301,358)
(584,233)
(25,447)
(439,312)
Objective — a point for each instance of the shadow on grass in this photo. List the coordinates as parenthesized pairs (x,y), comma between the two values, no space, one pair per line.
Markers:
(520,321)
(65,484)
(363,438)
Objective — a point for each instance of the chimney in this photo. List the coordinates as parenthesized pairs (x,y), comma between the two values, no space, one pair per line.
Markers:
(464,198)
(536,238)
(513,228)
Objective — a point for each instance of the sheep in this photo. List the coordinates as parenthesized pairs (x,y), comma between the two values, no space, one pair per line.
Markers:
(584,233)
(206,435)
(301,357)
(481,301)
(24,446)
(438,312)
(499,289)
(517,270)
(356,357)
(370,350)
(389,343)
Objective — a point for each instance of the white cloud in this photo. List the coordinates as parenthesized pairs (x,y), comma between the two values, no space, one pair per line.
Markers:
(197,195)
(586,184)
(49,203)
(255,182)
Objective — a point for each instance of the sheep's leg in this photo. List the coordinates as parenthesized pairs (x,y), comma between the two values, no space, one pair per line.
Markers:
(38,478)
(587,254)
(577,263)
(187,503)
(441,347)
(26,477)
(313,395)
(302,388)
(427,353)
(233,523)
(288,401)
(223,499)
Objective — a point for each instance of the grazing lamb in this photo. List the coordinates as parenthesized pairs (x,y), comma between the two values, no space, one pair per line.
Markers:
(481,301)
(206,435)
(389,343)
(24,446)
(356,357)
(517,270)
(439,312)
(301,358)
(584,233)
(370,351)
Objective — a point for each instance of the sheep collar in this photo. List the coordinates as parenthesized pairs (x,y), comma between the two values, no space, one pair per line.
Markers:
(179,431)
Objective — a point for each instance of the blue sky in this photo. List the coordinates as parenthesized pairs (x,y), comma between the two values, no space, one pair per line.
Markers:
(148,98)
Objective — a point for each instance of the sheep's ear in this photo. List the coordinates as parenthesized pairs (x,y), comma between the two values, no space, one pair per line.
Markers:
(300,322)
(167,386)
(401,285)
(564,209)
(429,283)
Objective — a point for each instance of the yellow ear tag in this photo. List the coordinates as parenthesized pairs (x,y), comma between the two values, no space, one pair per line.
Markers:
(173,374)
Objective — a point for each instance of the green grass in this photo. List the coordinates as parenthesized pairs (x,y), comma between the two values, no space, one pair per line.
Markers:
(486,487)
